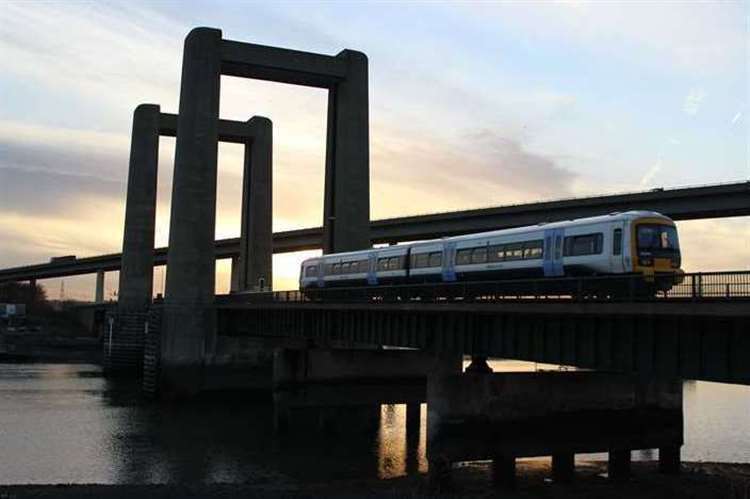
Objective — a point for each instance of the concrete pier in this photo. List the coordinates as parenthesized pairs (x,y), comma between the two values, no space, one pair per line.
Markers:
(189,317)
(344,378)
(504,416)
(99,292)
(256,234)
(137,270)
(189,323)
(347,181)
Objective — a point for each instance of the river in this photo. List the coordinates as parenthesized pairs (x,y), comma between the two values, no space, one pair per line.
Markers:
(66,423)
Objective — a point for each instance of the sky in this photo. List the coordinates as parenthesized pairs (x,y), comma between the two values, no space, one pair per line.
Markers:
(471,105)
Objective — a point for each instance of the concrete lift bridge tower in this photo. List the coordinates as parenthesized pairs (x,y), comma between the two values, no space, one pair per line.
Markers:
(189,322)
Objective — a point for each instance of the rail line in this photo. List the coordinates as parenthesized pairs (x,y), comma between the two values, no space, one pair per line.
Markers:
(694,287)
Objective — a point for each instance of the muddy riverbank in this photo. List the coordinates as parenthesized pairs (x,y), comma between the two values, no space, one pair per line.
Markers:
(696,481)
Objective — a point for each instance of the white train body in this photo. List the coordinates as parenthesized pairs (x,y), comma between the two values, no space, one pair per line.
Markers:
(642,242)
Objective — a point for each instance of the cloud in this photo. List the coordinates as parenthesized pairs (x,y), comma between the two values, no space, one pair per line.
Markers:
(693,101)
(694,37)
(421,173)
(652,171)
(119,55)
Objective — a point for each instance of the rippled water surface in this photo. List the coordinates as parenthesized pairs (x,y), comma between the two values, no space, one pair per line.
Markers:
(63,423)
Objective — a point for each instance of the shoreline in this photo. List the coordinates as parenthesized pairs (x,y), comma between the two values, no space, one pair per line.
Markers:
(697,480)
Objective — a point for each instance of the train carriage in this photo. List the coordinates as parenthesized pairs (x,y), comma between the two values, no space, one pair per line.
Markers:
(630,243)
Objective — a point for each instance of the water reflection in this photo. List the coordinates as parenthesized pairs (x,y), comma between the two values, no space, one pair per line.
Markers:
(401,450)
(66,423)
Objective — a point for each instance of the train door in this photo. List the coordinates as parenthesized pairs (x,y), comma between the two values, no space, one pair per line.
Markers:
(449,269)
(617,249)
(553,253)
(321,274)
(372,269)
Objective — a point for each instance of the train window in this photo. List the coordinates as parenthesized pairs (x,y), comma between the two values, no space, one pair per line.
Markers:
(617,242)
(346,268)
(514,251)
(589,244)
(463,257)
(311,271)
(336,268)
(436,259)
(532,250)
(479,255)
(558,247)
(364,266)
(394,263)
(496,253)
(329,268)
(382,264)
(420,260)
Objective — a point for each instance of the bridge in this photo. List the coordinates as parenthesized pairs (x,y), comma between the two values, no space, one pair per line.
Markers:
(689,203)
(328,348)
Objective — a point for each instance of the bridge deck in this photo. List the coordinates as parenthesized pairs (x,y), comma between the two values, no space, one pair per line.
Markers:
(698,337)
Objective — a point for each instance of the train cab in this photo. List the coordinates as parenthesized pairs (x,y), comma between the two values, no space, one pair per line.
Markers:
(655,247)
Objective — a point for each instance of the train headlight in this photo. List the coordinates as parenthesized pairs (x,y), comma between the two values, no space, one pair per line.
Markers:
(646,261)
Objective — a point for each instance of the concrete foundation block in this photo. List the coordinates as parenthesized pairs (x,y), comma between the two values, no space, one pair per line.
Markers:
(619,464)
(563,466)
(669,459)
(504,471)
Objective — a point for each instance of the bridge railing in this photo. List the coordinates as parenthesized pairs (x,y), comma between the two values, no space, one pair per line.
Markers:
(699,286)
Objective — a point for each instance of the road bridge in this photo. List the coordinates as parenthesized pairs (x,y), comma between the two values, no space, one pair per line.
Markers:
(691,203)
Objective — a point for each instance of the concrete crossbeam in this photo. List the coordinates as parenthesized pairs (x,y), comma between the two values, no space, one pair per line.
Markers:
(248,60)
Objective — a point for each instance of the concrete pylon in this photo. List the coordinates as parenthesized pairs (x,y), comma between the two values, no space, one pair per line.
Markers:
(189,317)
(346,217)
(99,293)
(137,271)
(256,237)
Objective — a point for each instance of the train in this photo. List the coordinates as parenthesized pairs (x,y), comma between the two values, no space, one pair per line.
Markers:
(641,243)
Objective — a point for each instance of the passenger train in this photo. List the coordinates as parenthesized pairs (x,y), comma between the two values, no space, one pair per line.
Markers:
(634,242)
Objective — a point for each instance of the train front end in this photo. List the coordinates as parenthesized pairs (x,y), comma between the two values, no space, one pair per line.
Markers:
(655,251)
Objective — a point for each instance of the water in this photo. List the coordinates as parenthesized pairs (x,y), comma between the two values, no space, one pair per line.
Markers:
(64,423)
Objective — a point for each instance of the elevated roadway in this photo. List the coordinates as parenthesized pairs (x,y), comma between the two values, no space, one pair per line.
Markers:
(691,203)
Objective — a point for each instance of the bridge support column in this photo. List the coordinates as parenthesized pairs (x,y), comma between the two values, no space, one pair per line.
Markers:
(234,275)
(189,317)
(619,464)
(563,466)
(32,292)
(669,459)
(413,417)
(331,379)
(478,365)
(99,292)
(256,237)
(346,217)
(137,271)
(504,471)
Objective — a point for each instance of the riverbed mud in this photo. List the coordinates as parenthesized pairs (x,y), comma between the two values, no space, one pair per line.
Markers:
(696,481)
